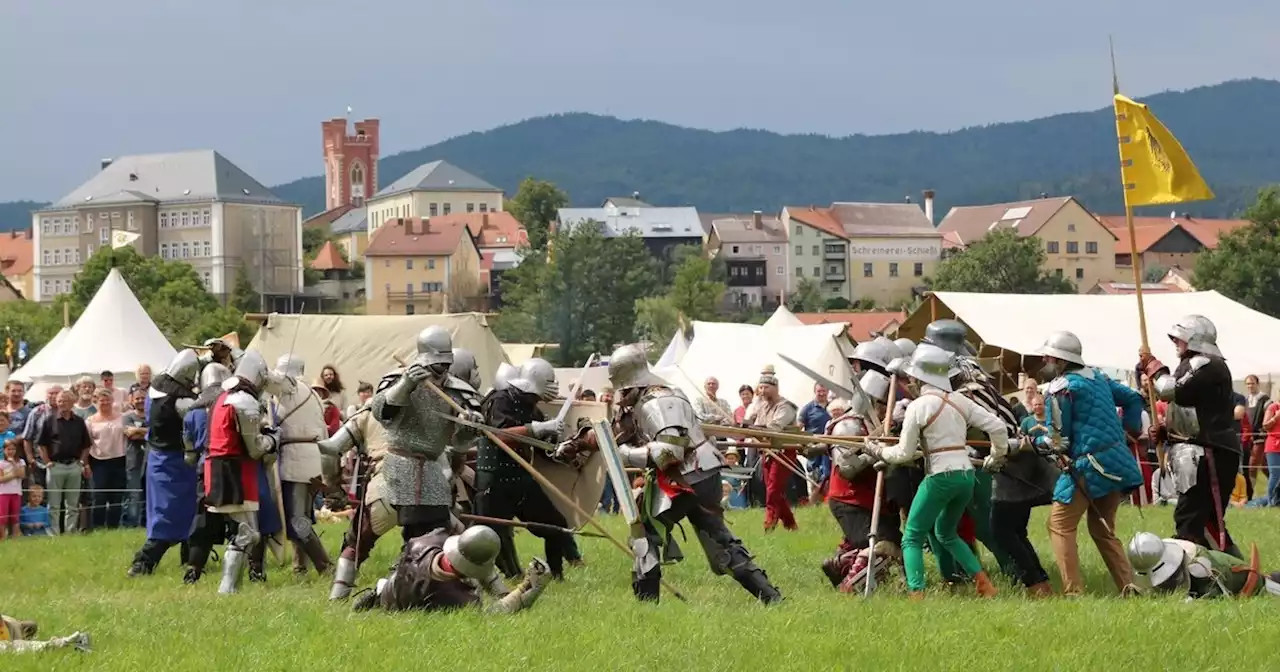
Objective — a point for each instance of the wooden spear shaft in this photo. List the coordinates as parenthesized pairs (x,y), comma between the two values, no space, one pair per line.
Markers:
(547,484)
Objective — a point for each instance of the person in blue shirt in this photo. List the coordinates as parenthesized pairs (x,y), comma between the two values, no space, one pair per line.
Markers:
(814,418)
(34,520)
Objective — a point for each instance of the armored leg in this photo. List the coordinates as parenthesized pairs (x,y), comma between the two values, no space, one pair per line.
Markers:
(646,570)
(299,504)
(246,538)
(725,552)
(495,501)
(980,510)
(1194,516)
(536,507)
(210,531)
(258,562)
(147,557)
(367,526)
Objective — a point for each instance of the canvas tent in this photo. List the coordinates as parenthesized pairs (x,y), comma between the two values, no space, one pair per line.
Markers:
(1107,326)
(42,358)
(365,347)
(783,318)
(675,351)
(113,334)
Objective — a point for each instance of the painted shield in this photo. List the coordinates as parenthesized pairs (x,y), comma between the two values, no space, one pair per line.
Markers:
(583,485)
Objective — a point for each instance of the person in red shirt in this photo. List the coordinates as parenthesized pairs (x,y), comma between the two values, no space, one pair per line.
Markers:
(332,416)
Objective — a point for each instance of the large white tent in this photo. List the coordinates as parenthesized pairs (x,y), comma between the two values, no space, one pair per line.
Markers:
(1108,325)
(113,334)
(782,317)
(365,347)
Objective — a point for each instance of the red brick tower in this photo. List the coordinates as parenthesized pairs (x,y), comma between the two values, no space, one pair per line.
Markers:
(350,162)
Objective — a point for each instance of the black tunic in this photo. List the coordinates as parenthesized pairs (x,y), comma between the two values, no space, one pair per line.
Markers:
(1208,390)
(506,409)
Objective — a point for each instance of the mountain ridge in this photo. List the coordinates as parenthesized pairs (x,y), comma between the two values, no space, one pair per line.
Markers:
(1072,153)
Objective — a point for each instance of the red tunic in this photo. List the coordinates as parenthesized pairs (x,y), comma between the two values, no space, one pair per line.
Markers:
(225,444)
(861,492)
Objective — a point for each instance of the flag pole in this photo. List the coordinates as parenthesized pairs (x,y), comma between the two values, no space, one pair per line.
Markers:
(1134,256)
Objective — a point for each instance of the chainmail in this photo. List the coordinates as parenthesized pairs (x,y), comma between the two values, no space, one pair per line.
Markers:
(417,472)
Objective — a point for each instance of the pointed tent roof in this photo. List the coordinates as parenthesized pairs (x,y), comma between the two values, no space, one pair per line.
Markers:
(782,317)
(328,259)
(42,358)
(113,334)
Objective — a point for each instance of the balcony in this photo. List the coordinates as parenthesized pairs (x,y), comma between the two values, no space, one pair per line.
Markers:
(834,252)
(833,273)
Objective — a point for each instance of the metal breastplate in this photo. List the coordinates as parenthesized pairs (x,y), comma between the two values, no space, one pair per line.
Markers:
(1183,422)
(663,411)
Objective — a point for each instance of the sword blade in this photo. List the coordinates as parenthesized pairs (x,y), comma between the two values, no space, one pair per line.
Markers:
(504,433)
(577,387)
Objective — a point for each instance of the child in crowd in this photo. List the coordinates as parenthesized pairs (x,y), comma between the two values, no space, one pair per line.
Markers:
(35,520)
(735,486)
(12,470)
(5,434)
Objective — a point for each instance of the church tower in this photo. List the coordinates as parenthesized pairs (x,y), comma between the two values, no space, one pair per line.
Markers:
(350,162)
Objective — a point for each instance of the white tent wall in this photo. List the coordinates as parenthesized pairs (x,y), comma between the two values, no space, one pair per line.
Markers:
(1108,326)
(365,347)
(675,351)
(782,317)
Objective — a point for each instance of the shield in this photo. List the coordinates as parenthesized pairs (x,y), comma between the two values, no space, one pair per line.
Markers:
(583,485)
(617,473)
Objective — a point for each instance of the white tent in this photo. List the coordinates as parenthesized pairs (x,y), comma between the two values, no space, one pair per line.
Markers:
(783,318)
(675,351)
(1108,325)
(113,334)
(42,359)
(365,347)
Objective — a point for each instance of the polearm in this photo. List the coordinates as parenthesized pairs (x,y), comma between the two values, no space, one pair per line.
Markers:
(545,483)
(874,535)
(535,527)
(804,439)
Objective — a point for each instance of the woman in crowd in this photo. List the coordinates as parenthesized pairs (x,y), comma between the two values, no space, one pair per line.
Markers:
(1255,452)
(364,392)
(84,388)
(12,470)
(1272,429)
(746,395)
(332,416)
(107,462)
(331,382)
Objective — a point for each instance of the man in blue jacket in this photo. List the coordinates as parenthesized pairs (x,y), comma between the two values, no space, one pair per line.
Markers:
(1099,470)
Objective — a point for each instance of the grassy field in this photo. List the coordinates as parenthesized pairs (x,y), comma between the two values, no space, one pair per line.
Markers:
(591,621)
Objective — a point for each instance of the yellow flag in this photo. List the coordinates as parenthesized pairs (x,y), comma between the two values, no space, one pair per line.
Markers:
(1154,167)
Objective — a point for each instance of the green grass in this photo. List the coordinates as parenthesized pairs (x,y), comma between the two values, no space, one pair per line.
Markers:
(591,622)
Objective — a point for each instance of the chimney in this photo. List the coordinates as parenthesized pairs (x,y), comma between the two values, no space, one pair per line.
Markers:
(484,220)
(928,205)
(635,195)
(908,198)
(1044,195)
(757,220)
(106,163)
(1186,216)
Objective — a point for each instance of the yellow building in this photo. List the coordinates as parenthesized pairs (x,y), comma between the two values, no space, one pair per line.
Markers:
(870,252)
(432,189)
(1077,245)
(196,207)
(16,249)
(417,266)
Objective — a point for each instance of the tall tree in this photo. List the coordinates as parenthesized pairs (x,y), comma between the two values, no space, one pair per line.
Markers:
(1001,263)
(656,320)
(694,292)
(29,322)
(1246,264)
(536,205)
(807,297)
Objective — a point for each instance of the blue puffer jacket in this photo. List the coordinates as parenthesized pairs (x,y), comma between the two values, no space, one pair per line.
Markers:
(1087,400)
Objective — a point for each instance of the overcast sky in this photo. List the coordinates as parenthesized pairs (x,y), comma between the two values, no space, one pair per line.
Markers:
(86,79)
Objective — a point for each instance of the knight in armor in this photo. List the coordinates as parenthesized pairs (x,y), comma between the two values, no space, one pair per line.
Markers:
(171,479)
(464,368)
(969,379)
(656,429)
(935,427)
(1177,566)
(1099,469)
(240,445)
(440,572)
(298,414)
(1200,426)
(210,528)
(775,414)
(852,493)
(420,433)
(503,488)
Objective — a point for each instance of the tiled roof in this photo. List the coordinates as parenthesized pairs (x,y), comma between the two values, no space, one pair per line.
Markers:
(818,218)
(970,223)
(1144,235)
(490,229)
(437,176)
(881,219)
(416,237)
(200,175)
(16,253)
(1130,288)
(328,216)
(328,259)
(650,222)
(1206,231)
(355,220)
(731,228)
(862,325)
(625,202)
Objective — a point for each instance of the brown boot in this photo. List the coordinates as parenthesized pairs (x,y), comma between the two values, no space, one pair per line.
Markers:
(916,595)
(984,586)
(1040,590)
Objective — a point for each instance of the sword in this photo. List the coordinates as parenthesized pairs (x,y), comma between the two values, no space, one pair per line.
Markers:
(573,392)
(826,382)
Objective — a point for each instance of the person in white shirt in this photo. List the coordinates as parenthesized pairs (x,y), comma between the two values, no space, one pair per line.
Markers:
(710,407)
(934,427)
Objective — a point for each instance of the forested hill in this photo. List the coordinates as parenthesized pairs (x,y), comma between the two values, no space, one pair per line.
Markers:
(1231,130)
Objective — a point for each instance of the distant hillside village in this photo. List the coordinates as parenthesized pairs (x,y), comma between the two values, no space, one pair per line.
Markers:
(438,238)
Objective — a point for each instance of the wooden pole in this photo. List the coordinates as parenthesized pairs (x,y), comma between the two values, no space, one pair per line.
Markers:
(933,307)
(874,535)
(547,484)
(66,314)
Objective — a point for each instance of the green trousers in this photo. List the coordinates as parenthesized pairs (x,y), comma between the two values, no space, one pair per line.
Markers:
(935,513)
(980,510)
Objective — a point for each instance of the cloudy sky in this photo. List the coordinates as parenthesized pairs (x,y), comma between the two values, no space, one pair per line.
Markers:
(86,79)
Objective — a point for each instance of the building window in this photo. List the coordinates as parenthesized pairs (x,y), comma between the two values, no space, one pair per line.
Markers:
(88,222)
(799,272)
(777,249)
(208,248)
(133,226)
(104,236)
(1073,247)
(817,271)
(408,288)
(1051,247)
(57,257)
(164,220)
(388,288)
(918,270)
(799,250)
(893,269)
(47,256)
(186,250)
(46,287)
(435,287)
(164,250)
(780,271)
(471,207)
(208,281)
(431,209)
(88,251)
(1057,272)
(75,255)
(425,287)
(186,219)
(115,215)
(447,208)
(484,207)
(734,249)
(1071,228)
(431,264)
(408,309)
(815,251)
(408,264)
(205,215)
(757,249)
(1079,274)
(799,230)
(1091,248)
(868,270)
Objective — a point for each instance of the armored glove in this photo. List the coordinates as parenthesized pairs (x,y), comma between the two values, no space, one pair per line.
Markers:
(1062,446)
(1152,367)
(874,449)
(547,429)
(402,390)
(992,464)
(472,416)
(538,572)
(191,457)
(566,450)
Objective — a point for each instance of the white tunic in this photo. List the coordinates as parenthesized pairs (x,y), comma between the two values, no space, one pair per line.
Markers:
(299,454)
(947,430)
